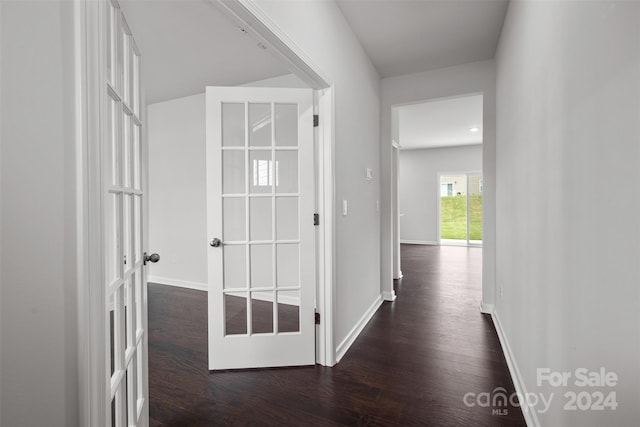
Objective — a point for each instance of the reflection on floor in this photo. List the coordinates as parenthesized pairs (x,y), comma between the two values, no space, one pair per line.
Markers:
(412,365)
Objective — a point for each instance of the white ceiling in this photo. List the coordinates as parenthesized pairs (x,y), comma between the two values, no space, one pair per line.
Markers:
(404,36)
(443,123)
(188,44)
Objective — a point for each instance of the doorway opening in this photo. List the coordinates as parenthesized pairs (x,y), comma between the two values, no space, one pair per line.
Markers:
(460,209)
(439,171)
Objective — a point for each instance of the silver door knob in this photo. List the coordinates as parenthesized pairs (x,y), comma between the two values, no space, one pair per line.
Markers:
(215,242)
(150,258)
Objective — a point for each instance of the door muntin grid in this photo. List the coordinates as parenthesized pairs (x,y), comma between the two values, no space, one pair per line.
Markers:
(260,203)
(124,201)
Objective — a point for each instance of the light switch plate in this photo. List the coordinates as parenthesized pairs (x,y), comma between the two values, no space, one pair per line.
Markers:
(344,208)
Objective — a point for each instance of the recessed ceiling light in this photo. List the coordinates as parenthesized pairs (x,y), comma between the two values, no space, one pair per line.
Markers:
(474,129)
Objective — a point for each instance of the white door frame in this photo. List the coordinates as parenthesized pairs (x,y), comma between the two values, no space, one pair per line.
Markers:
(89,74)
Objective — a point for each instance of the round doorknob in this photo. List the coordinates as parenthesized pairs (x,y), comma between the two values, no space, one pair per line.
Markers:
(151,258)
(215,242)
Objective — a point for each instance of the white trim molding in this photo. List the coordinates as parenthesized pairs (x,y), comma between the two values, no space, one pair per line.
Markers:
(389,295)
(486,308)
(260,26)
(351,337)
(419,242)
(529,413)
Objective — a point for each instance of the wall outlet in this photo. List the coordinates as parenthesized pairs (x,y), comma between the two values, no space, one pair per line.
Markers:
(501,294)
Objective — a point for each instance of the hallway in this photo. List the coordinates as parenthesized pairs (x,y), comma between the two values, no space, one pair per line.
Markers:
(412,364)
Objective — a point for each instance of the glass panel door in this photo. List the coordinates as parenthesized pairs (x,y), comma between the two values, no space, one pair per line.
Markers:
(460,201)
(475,209)
(125,290)
(260,187)
(453,208)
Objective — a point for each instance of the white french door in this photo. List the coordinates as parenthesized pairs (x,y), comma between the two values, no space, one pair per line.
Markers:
(460,209)
(260,205)
(124,202)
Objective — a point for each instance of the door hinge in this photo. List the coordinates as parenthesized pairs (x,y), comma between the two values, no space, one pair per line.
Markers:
(316,120)
(317,318)
(316,219)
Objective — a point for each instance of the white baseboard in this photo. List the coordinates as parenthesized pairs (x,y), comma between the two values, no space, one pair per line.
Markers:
(420,242)
(357,329)
(529,413)
(486,308)
(389,296)
(178,283)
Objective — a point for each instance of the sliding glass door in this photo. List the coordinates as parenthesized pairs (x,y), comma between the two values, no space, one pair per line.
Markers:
(460,202)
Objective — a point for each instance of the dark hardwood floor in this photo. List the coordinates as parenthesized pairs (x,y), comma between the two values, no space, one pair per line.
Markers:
(412,365)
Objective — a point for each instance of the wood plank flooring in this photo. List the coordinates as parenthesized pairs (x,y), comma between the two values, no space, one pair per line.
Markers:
(412,365)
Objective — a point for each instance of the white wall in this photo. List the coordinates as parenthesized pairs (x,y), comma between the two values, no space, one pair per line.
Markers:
(177,187)
(320,30)
(568,242)
(177,195)
(38,314)
(419,187)
(475,77)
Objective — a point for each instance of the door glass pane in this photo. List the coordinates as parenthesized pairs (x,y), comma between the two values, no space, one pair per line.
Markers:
(112,43)
(128,260)
(126,65)
(113,139)
(261,266)
(129,314)
(111,332)
(286,171)
(262,172)
(453,207)
(233,221)
(260,125)
(232,125)
(288,311)
(130,96)
(235,313)
(286,125)
(131,390)
(126,150)
(261,214)
(137,282)
(112,238)
(286,218)
(140,393)
(136,84)
(261,312)
(233,172)
(475,208)
(137,228)
(288,260)
(137,156)
(235,266)
(113,412)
